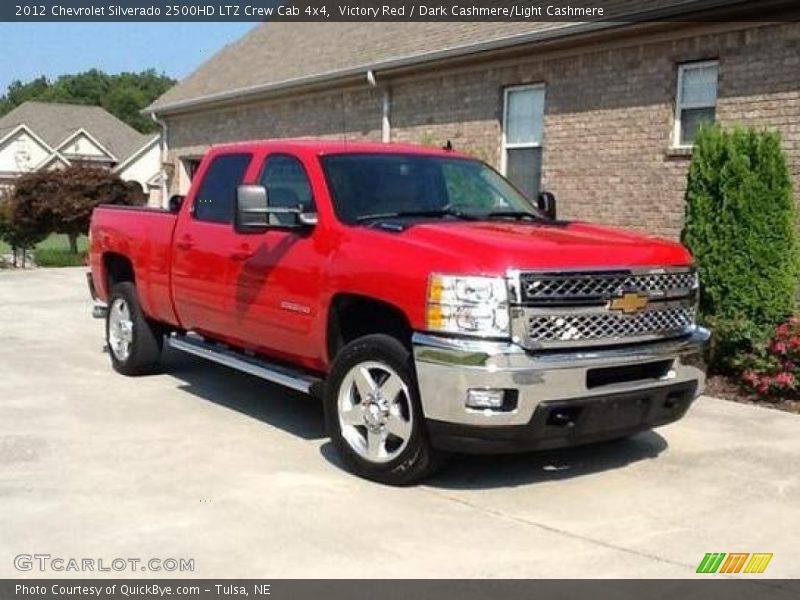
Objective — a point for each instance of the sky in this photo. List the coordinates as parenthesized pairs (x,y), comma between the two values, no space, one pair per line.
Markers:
(28,50)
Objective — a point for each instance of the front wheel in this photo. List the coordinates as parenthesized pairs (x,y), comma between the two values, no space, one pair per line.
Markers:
(134,342)
(373,413)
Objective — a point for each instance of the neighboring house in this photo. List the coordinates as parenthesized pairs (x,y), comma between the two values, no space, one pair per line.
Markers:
(602,114)
(45,135)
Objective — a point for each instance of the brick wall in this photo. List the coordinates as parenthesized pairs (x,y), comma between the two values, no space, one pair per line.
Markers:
(608,116)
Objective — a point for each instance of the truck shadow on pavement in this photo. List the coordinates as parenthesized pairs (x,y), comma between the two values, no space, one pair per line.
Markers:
(463,472)
(510,470)
(301,415)
(293,412)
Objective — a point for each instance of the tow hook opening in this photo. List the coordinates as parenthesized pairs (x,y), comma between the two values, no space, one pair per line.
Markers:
(563,417)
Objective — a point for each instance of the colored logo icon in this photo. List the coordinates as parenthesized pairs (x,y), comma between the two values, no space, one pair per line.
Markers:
(735,562)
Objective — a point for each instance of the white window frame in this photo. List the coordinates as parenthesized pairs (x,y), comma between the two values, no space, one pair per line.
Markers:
(679,104)
(505,146)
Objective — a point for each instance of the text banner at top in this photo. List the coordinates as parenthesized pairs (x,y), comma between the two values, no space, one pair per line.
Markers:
(399,10)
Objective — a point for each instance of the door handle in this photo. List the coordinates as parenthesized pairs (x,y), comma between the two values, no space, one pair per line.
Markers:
(185,243)
(243,253)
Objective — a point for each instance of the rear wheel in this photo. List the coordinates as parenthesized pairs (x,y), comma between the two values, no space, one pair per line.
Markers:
(373,413)
(134,342)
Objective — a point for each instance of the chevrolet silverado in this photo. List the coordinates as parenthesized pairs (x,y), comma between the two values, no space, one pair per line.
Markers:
(431,306)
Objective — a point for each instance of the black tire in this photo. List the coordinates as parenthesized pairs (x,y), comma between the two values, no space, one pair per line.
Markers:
(147,337)
(417,459)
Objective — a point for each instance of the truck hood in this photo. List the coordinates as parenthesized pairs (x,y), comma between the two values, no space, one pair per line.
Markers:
(500,245)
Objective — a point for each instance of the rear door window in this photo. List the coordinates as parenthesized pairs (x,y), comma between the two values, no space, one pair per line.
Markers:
(214,200)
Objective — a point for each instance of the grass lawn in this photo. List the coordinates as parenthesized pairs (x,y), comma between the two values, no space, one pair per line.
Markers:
(54,251)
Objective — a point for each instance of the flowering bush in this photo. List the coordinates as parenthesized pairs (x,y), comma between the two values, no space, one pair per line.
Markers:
(775,369)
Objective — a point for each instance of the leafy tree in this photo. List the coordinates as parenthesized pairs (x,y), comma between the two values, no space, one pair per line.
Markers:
(741,225)
(62,202)
(124,95)
(78,190)
(24,216)
(19,92)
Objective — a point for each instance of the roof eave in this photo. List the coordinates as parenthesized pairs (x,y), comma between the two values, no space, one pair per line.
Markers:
(137,154)
(359,71)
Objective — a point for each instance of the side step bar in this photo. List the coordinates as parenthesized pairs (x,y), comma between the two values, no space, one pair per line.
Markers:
(285,376)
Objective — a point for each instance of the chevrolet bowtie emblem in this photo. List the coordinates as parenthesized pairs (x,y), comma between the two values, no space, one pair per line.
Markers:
(629,303)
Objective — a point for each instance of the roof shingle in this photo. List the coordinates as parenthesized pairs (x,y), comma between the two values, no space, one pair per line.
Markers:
(55,122)
(278,52)
(281,53)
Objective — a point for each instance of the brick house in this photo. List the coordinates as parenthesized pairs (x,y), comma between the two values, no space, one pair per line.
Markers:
(603,115)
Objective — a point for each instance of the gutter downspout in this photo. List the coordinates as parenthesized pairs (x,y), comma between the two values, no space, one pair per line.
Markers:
(386,108)
(386,123)
(164,151)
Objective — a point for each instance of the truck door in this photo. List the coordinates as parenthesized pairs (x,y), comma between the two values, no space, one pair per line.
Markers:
(275,284)
(203,244)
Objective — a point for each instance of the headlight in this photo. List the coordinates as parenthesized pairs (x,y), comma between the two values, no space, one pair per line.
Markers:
(468,305)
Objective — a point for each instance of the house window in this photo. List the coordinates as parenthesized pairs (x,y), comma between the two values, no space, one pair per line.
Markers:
(696,100)
(523,127)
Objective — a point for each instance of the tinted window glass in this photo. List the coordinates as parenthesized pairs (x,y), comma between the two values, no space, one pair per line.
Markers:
(367,186)
(214,201)
(287,186)
(287,183)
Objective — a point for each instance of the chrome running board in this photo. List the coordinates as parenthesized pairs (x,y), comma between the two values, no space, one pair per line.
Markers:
(285,376)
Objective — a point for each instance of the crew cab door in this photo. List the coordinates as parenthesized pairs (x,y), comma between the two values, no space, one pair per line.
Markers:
(205,246)
(275,290)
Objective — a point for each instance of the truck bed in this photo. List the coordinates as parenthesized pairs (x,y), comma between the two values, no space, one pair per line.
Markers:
(144,237)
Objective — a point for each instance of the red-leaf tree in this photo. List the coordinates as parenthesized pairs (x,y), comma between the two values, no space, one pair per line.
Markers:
(25,218)
(79,191)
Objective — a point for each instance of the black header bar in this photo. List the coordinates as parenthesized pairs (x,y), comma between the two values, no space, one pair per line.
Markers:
(555,11)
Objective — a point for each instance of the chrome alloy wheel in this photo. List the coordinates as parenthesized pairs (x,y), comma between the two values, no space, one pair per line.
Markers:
(120,329)
(375,411)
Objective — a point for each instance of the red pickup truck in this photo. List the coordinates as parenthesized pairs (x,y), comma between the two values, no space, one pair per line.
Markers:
(431,305)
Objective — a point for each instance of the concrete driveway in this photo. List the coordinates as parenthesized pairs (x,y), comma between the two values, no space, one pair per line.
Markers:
(206,463)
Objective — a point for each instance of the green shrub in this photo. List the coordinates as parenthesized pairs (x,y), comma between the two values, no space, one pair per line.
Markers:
(55,257)
(741,226)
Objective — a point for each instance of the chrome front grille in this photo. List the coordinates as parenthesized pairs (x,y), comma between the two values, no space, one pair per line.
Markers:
(559,310)
(553,288)
(608,327)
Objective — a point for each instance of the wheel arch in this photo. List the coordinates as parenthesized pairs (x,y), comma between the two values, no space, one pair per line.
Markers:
(351,316)
(117,268)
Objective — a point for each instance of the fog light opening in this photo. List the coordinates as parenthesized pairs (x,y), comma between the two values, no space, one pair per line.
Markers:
(491,399)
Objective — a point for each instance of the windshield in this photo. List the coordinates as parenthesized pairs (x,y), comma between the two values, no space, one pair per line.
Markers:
(374,186)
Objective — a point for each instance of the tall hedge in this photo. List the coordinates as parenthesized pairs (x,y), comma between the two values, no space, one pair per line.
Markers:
(741,225)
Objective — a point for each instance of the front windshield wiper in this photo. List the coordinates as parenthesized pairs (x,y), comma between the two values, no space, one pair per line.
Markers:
(449,212)
(513,214)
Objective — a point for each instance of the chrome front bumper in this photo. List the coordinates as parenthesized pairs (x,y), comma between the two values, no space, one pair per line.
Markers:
(448,367)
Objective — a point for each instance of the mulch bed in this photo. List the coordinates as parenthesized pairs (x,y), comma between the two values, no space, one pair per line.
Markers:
(723,387)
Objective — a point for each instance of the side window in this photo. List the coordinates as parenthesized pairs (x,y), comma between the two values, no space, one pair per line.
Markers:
(696,99)
(287,183)
(523,130)
(214,200)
